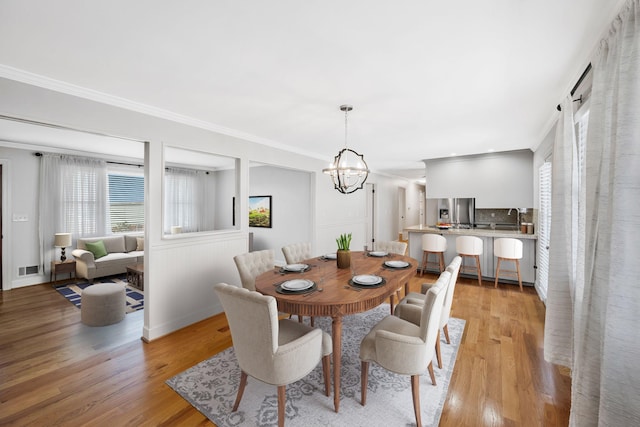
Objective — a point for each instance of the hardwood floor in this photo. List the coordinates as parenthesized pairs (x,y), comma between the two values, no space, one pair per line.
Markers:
(56,371)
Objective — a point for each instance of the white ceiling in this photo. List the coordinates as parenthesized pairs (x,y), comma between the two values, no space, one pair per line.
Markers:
(426,78)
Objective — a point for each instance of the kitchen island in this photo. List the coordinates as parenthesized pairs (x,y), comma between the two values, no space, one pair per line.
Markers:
(487,260)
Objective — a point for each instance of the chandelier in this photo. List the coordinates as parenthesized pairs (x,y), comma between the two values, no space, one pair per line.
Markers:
(348,170)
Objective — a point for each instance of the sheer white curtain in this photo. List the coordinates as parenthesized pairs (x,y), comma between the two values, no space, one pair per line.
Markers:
(558,334)
(73,199)
(606,368)
(184,199)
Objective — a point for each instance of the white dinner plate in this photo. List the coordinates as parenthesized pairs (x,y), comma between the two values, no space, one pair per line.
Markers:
(295,267)
(378,253)
(297,285)
(330,256)
(396,264)
(367,279)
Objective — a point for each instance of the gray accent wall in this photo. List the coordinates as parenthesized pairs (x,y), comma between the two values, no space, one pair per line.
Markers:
(496,180)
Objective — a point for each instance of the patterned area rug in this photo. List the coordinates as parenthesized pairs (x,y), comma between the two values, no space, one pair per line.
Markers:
(211,387)
(73,292)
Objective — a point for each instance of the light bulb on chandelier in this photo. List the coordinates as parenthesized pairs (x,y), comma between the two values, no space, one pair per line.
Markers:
(348,170)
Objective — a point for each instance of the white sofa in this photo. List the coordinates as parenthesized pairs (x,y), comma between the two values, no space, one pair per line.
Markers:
(121,252)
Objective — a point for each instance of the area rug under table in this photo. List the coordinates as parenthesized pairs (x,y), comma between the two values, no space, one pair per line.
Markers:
(211,387)
(134,296)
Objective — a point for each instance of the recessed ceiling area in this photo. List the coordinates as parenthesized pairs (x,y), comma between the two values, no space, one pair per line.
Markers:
(426,79)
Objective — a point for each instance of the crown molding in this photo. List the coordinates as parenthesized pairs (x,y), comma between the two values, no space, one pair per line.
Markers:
(33,79)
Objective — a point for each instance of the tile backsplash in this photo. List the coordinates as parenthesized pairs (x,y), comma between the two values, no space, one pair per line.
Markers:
(501,216)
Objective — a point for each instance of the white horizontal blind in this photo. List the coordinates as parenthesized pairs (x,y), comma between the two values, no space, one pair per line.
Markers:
(83,193)
(126,202)
(544,227)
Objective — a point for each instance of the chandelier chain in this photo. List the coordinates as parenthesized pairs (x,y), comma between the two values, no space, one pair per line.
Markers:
(346,111)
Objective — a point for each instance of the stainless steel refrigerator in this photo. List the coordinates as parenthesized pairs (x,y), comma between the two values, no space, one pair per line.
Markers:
(457,211)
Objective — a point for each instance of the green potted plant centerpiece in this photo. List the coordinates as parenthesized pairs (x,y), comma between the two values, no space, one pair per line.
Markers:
(343,255)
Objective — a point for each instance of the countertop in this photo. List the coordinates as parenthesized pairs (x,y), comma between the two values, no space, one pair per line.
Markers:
(471,232)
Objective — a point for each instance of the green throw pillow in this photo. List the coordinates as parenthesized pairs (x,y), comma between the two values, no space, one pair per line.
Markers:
(96,248)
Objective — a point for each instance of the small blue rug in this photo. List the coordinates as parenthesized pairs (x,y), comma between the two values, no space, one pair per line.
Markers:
(73,292)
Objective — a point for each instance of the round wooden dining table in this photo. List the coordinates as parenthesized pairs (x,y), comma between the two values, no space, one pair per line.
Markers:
(335,296)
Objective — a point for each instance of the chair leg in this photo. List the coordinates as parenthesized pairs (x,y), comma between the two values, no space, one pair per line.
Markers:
(446,333)
(312,321)
(326,374)
(497,272)
(282,396)
(415,392)
(243,383)
(438,354)
(364,379)
(518,271)
(425,256)
(477,257)
(431,374)
(441,262)
(391,298)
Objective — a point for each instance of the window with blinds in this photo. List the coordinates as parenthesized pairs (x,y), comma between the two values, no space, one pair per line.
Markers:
(544,228)
(544,187)
(82,201)
(126,202)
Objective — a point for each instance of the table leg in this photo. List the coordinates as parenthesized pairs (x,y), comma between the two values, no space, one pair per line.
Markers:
(336,336)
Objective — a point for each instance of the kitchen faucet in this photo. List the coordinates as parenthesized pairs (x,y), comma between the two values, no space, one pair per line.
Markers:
(518,218)
(519,211)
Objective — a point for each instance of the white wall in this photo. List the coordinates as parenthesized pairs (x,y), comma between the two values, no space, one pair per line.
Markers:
(222,199)
(21,175)
(180,271)
(291,203)
(496,180)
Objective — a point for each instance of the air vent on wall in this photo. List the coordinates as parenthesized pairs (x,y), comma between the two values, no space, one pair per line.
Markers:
(28,270)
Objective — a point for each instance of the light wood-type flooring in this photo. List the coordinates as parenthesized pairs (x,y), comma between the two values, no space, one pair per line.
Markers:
(56,371)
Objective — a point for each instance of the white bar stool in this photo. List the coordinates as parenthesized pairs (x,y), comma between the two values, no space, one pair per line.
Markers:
(433,244)
(507,249)
(470,246)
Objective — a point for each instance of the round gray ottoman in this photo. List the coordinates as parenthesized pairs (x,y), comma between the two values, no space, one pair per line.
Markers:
(103,304)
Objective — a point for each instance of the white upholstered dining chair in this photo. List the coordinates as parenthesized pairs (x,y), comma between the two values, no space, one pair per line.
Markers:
(253,264)
(410,306)
(296,252)
(403,347)
(391,247)
(277,352)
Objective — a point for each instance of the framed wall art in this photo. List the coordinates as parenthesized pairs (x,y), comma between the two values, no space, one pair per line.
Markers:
(260,214)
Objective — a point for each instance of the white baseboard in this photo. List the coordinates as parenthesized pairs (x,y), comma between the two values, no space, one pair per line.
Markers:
(36,279)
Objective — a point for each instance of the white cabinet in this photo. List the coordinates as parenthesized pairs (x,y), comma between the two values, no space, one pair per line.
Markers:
(528,264)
